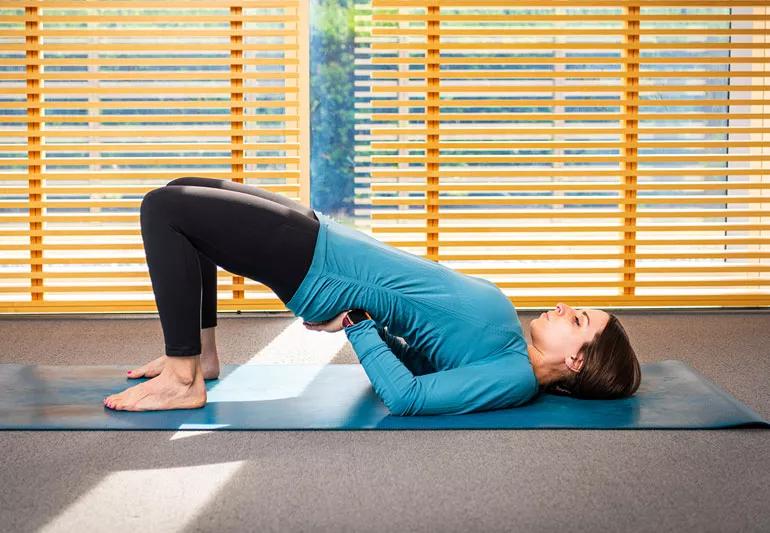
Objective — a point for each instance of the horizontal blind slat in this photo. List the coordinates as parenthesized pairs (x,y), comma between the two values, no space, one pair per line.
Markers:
(564,3)
(151,4)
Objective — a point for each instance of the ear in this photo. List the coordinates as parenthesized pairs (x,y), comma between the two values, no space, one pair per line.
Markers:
(574,362)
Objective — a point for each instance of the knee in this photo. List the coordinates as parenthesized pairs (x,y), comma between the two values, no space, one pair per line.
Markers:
(186,180)
(151,198)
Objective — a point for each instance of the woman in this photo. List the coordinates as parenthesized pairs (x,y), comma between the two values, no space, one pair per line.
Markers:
(430,339)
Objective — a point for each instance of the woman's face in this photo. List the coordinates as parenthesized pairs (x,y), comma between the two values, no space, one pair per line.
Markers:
(559,333)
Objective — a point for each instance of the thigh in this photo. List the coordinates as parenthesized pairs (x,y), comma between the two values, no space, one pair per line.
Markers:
(244,234)
(246,189)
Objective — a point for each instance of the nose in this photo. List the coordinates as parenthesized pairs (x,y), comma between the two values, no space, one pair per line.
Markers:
(561,308)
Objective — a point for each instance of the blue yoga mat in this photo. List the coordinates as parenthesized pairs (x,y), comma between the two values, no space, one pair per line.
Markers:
(279,397)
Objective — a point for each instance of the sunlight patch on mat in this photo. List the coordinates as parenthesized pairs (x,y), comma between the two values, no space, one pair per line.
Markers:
(294,345)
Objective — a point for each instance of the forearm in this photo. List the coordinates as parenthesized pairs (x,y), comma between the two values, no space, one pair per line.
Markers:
(417,362)
(391,379)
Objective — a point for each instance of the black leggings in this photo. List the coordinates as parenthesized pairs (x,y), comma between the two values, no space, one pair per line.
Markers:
(194,224)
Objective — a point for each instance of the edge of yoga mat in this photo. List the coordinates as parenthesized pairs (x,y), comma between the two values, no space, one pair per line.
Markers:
(340,397)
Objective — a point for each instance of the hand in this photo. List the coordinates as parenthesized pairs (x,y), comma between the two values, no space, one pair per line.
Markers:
(331,326)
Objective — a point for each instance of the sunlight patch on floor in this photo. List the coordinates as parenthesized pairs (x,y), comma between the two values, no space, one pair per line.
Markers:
(156,499)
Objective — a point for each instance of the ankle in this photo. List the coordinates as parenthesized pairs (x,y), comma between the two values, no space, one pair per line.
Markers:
(209,340)
(183,369)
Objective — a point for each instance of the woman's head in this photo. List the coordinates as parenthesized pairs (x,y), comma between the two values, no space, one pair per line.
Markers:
(584,353)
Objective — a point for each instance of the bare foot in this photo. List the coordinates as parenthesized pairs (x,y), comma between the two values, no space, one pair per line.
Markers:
(165,391)
(209,364)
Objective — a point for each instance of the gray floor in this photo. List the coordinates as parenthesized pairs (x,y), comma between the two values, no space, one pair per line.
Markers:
(532,480)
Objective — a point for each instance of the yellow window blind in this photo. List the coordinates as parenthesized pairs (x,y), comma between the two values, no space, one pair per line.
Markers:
(599,153)
(103,101)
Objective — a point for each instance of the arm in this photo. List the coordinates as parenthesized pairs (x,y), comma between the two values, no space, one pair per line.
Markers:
(415,361)
(486,385)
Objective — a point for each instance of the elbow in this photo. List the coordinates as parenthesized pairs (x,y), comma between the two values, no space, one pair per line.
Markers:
(402,401)
(400,407)
(397,408)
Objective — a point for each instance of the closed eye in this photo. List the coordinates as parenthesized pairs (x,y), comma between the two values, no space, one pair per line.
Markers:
(577,320)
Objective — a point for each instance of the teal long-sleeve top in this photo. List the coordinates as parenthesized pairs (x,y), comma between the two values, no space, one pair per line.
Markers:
(439,342)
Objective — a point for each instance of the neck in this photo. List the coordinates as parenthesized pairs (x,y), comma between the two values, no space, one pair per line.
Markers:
(544,372)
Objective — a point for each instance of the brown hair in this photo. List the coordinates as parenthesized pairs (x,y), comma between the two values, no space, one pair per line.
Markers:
(610,368)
